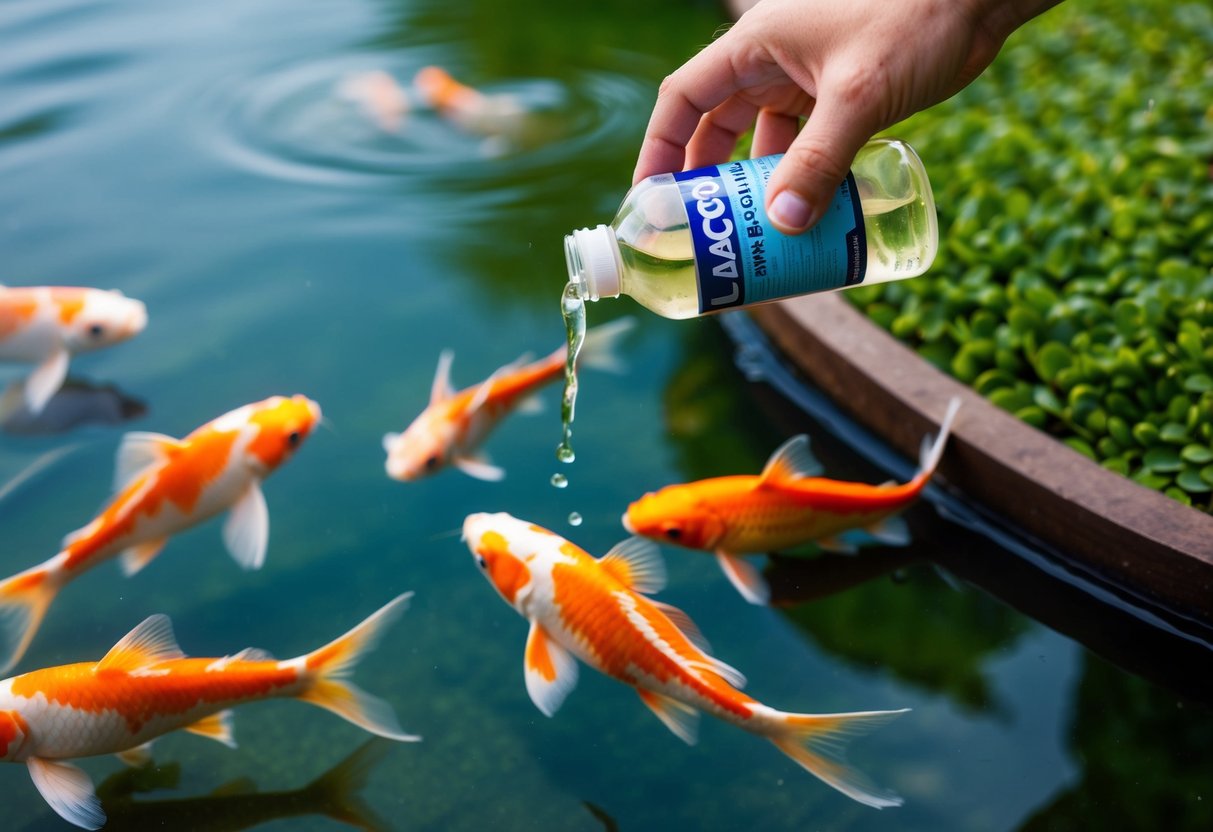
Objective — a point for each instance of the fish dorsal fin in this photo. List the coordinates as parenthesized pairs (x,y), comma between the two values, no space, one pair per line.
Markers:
(441,389)
(486,387)
(636,563)
(217,727)
(248,654)
(140,451)
(685,625)
(791,461)
(150,643)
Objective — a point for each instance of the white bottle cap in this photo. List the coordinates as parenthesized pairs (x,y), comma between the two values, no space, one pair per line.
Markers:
(592,255)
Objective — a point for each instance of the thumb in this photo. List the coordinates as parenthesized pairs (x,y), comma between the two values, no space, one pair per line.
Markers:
(806,179)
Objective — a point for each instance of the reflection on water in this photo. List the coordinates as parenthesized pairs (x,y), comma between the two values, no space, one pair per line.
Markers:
(198,156)
(239,805)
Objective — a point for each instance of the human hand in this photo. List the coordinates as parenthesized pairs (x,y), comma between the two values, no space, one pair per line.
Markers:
(852,69)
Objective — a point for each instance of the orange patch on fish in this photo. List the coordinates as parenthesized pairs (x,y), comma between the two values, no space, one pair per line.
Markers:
(508,572)
(164,689)
(69,302)
(17,309)
(12,726)
(539,659)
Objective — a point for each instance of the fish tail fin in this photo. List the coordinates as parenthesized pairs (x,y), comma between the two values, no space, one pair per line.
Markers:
(817,742)
(24,599)
(932,450)
(328,670)
(602,344)
(336,793)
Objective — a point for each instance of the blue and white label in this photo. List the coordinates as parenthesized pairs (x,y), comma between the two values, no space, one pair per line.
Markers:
(742,259)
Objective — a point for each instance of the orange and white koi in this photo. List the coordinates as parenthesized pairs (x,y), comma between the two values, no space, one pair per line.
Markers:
(451,429)
(145,687)
(786,505)
(470,109)
(164,486)
(46,325)
(595,610)
(379,96)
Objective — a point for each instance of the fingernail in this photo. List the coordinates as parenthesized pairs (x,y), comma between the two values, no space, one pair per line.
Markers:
(791,210)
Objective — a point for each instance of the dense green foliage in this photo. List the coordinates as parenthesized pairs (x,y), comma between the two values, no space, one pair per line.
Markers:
(1074,183)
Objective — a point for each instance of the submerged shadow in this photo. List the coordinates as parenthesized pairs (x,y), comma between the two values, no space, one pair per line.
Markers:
(79,402)
(238,805)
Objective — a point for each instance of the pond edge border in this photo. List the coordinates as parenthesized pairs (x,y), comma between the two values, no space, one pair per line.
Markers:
(1134,537)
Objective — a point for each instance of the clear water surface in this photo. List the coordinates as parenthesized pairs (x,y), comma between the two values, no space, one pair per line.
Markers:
(196,156)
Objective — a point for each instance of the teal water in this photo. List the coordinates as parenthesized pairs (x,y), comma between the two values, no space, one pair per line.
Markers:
(195,156)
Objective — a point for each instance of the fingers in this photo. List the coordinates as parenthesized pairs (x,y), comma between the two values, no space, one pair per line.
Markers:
(716,137)
(774,132)
(817,162)
(696,88)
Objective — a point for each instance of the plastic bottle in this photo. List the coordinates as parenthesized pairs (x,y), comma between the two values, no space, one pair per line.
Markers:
(697,242)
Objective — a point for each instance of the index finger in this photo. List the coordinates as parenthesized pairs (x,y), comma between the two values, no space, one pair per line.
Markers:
(697,87)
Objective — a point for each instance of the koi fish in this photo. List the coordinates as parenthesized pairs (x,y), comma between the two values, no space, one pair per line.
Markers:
(786,505)
(468,108)
(164,486)
(46,325)
(379,96)
(596,610)
(451,429)
(145,687)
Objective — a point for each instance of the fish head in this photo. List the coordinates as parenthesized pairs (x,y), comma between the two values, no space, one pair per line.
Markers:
(281,425)
(13,734)
(94,318)
(676,514)
(503,547)
(423,449)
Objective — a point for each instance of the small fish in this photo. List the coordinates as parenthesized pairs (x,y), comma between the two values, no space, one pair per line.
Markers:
(77,403)
(595,610)
(46,325)
(145,687)
(164,486)
(379,96)
(473,111)
(786,505)
(450,430)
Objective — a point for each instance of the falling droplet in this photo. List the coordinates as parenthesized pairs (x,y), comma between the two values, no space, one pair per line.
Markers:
(574,518)
(559,481)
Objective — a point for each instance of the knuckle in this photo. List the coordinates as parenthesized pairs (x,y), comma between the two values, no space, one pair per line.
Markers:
(812,160)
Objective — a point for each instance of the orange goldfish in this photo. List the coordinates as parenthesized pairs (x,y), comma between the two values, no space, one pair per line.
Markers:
(786,505)
(379,96)
(145,687)
(468,108)
(164,486)
(451,428)
(595,610)
(46,325)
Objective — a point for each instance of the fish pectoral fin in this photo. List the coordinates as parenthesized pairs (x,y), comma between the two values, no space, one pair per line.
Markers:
(551,670)
(151,642)
(791,461)
(216,727)
(838,544)
(480,468)
(136,757)
(891,531)
(636,563)
(68,791)
(247,528)
(440,389)
(389,441)
(530,406)
(139,451)
(45,380)
(679,717)
(137,557)
(744,578)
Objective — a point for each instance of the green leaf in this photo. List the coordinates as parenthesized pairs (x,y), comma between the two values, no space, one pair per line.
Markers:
(1190,480)
(1162,460)
(1051,359)
(1197,454)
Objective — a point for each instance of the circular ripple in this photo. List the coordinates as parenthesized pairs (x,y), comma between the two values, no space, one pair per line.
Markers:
(294,123)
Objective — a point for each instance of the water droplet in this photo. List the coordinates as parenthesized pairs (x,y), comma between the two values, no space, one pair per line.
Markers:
(574,518)
(572,308)
(560,481)
(565,454)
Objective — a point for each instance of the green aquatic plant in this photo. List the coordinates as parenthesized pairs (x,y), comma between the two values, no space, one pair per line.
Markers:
(1074,182)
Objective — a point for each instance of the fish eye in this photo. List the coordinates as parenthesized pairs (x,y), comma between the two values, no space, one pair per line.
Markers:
(481,562)
(96,330)
(673,533)
(431,463)
(293,438)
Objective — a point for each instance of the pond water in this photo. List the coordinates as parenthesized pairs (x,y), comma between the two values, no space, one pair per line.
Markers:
(198,157)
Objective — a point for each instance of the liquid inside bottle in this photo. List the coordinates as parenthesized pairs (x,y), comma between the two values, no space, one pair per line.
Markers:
(649,250)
